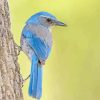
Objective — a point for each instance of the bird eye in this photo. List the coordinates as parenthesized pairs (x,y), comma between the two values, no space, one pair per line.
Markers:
(48,20)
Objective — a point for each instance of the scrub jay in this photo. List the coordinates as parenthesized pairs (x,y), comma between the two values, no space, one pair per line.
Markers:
(36,43)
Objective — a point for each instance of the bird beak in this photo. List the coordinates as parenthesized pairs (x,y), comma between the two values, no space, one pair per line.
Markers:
(58,23)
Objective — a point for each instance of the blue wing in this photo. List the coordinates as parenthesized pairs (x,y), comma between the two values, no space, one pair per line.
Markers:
(41,49)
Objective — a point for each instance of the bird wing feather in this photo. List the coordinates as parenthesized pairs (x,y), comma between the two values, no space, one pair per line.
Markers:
(39,46)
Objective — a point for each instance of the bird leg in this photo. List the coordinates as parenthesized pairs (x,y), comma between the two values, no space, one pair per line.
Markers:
(26,78)
(23,80)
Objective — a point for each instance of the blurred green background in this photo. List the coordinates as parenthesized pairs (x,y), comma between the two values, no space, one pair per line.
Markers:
(72,71)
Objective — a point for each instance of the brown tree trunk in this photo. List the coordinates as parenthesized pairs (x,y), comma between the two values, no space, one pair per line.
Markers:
(10,79)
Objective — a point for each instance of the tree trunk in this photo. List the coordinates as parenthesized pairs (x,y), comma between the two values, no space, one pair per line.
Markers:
(10,79)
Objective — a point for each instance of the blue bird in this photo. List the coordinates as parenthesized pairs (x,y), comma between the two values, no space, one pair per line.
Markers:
(36,43)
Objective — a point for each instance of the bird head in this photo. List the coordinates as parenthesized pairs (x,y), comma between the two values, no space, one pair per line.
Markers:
(46,19)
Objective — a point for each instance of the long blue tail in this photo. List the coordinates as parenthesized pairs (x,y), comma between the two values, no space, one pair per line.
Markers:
(35,85)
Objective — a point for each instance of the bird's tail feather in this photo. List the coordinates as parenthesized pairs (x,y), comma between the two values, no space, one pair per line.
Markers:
(35,85)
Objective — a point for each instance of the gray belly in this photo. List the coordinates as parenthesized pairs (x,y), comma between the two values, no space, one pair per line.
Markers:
(26,48)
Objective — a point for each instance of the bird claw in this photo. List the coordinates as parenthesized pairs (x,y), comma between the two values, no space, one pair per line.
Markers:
(18,49)
(21,80)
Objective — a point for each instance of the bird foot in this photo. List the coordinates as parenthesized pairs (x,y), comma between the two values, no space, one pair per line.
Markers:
(18,49)
(21,79)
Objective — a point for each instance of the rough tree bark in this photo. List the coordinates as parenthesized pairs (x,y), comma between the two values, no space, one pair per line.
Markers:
(10,79)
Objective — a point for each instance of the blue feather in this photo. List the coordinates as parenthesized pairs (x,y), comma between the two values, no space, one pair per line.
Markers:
(33,77)
(41,49)
(35,86)
(39,81)
(35,18)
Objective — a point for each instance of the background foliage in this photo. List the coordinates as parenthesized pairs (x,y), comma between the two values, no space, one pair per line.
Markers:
(72,71)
